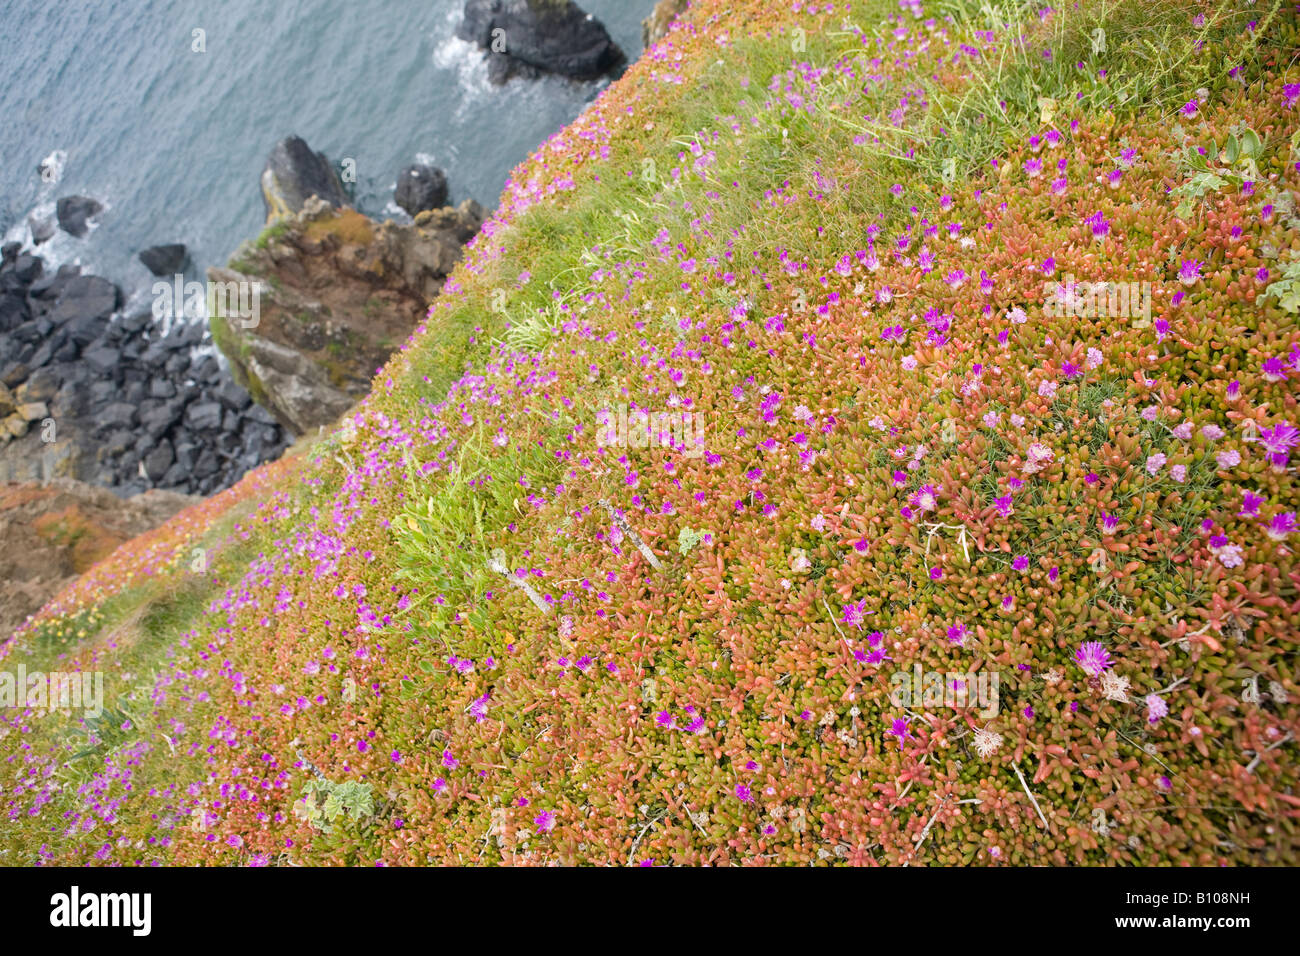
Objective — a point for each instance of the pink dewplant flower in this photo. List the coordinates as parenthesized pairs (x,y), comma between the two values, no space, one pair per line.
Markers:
(1189,272)
(1099,225)
(1093,658)
(1281,525)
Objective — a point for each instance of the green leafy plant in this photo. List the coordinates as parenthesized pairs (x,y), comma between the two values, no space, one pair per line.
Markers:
(322,803)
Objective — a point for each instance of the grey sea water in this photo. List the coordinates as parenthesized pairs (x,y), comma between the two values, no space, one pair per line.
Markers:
(172,140)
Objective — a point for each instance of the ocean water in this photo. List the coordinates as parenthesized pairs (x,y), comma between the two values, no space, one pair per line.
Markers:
(172,140)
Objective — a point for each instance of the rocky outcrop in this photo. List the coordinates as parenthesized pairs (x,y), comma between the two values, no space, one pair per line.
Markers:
(165,260)
(74,212)
(91,394)
(293,174)
(53,533)
(419,188)
(655,27)
(338,294)
(42,229)
(531,37)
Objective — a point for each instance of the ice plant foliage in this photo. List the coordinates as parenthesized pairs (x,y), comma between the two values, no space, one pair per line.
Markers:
(825,231)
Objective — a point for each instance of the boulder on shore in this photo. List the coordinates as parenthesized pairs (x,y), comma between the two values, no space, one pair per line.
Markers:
(420,187)
(530,37)
(165,260)
(293,174)
(73,212)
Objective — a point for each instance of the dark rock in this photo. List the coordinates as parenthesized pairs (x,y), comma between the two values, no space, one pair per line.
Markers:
(166,260)
(138,322)
(232,396)
(204,416)
(134,392)
(9,252)
(293,174)
(41,356)
(52,286)
(102,359)
(555,36)
(207,464)
(159,460)
(158,420)
(176,365)
(260,415)
(187,452)
(177,476)
(161,388)
(182,336)
(14,374)
(28,333)
(42,229)
(14,311)
(43,384)
(28,269)
(85,329)
(86,296)
(74,211)
(116,443)
(206,370)
(101,393)
(116,415)
(421,187)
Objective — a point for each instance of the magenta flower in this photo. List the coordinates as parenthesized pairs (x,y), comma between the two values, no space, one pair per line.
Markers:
(1281,525)
(1099,225)
(925,498)
(1250,503)
(853,614)
(1279,439)
(899,729)
(1093,658)
(1189,273)
(545,821)
(1274,369)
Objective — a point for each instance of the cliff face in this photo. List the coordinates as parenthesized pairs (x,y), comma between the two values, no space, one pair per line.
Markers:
(53,533)
(338,293)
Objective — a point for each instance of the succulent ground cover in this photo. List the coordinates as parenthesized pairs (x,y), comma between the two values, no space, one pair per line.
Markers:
(861,248)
